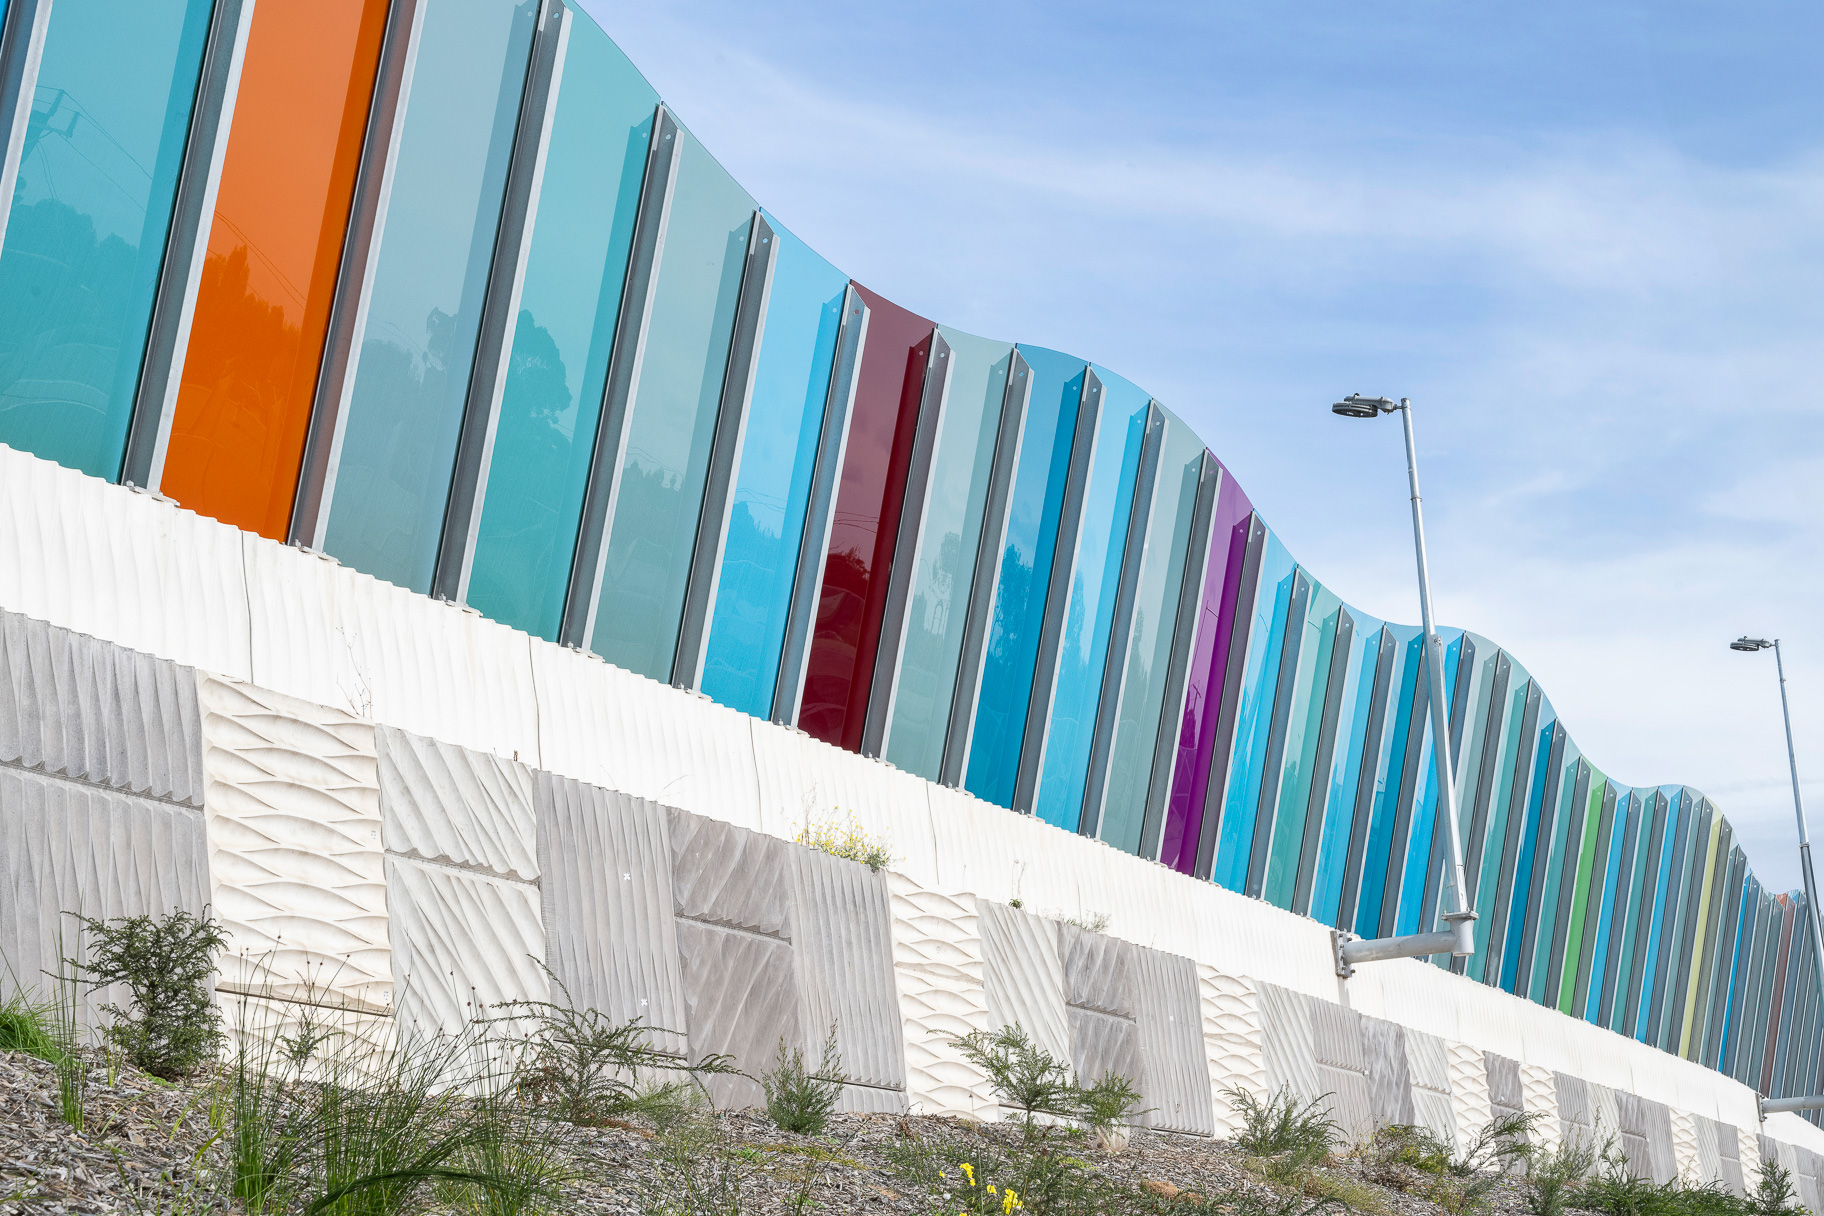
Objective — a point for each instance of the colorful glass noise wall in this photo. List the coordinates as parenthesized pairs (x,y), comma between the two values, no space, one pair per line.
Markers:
(443,288)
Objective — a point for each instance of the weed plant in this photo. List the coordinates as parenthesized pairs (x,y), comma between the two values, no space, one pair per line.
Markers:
(1774,1194)
(172,1025)
(798,1099)
(65,1031)
(1417,1161)
(1554,1180)
(27,1025)
(1285,1138)
(1023,1075)
(847,841)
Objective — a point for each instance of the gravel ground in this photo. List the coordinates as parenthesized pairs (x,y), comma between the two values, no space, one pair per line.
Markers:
(144,1144)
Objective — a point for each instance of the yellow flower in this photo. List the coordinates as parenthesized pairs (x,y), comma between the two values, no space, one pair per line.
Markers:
(1010,1201)
(969,1170)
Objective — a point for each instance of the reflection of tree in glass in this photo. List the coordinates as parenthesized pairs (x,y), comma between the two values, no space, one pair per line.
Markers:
(1010,604)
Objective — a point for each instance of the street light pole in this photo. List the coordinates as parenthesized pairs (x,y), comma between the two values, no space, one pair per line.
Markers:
(1459,938)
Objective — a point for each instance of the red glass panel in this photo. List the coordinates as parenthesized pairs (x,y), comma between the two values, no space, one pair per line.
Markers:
(866,523)
(274,248)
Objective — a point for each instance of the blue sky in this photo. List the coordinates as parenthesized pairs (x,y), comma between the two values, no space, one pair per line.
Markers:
(1586,239)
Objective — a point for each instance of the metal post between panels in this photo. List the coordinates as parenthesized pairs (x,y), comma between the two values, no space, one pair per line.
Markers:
(21,50)
(648,246)
(1055,589)
(982,582)
(500,306)
(725,453)
(161,370)
(1120,630)
(814,541)
(354,273)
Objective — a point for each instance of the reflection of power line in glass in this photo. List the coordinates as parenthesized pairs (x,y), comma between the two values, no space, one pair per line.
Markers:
(254,249)
(43,122)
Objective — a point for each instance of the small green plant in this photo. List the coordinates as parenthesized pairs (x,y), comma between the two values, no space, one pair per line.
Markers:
(696,1172)
(1774,1194)
(1023,1075)
(1089,922)
(848,841)
(172,1025)
(1285,1138)
(1108,1108)
(66,1037)
(1553,1179)
(1417,1161)
(798,1099)
(27,1026)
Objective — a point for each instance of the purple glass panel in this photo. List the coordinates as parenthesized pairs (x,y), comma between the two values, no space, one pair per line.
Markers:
(1203,688)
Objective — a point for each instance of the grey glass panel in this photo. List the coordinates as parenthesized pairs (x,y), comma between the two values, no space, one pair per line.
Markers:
(672,415)
(947,540)
(1148,646)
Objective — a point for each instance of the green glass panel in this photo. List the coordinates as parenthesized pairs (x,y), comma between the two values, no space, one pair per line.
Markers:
(1585,854)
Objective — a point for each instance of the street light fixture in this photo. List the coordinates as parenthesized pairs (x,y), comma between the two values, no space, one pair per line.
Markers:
(1750,645)
(1459,938)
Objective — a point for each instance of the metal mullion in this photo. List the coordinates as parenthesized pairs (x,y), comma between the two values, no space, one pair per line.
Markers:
(22,35)
(1140,520)
(819,512)
(500,306)
(725,448)
(1241,615)
(983,581)
(1342,645)
(1184,636)
(355,273)
(180,272)
(1057,593)
(933,402)
(1279,719)
(583,596)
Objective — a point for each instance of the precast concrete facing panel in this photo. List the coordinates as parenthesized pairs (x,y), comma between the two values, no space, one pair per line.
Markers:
(1024,975)
(1169,1021)
(1232,1043)
(938,970)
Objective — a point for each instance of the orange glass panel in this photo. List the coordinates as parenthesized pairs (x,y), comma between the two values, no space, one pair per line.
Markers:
(238,435)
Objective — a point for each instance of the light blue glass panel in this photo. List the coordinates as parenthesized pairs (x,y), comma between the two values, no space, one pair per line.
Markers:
(1610,880)
(948,537)
(1346,767)
(1024,573)
(568,305)
(1149,643)
(773,483)
(672,416)
(1419,851)
(1089,613)
(1518,907)
(1488,882)
(1564,848)
(1389,766)
(1260,672)
(1309,684)
(103,146)
(418,345)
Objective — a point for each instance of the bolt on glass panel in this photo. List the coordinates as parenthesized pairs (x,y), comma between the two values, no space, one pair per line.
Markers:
(569,303)
(948,537)
(91,209)
(791,383)
(417,345)
(1095,573)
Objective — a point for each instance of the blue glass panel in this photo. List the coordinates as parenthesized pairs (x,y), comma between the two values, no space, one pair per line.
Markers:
(1089,612)
(1149,642)
(1021,582)
(1346,767)
(1666,829)
(671,418)
(91,208)
(418,343)
(1529,831)
(1611,880)
(1420,853)
(1260,672)
(1389,765)
(1309,685)
(773,484)
(1494,856)
(568,305)
(1563,850)
(948,536)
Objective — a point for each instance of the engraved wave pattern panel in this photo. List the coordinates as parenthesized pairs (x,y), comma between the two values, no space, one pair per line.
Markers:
(725,875)
(1231,1041)
(1286,1042)
(844,947)
(1025,975)
(360,1042)
(610,935)
(1684,1145)
(96,712)
(294,848)
(742,996)
(458,807)
(937,965)
(1169,1021)
(463,943)
(1468,1087)
(1748,1152)
(71,848)
(1539,1091)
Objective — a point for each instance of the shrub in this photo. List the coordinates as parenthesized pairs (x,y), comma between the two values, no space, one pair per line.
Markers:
(1417,1161)
(172,1025)
(1552,1178)
(1288,1138)
(848,841)
(26,1026)
(1108,1107)
(1023,1075)
(1774,1194)
(799,1100)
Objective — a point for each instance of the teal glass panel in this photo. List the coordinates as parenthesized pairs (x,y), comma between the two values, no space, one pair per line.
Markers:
(1529,838)
(1418,874)
(948,537)
(1494,858)
(91,208)
(1345,767)
(1605,914)
(418,343)
(1555,871)
(1022,580)
(1309,685)
(671,418)
(1387,771)
(1253,716)
(1149,643)
(791,383)
(569,302)
(1639,897)
(1089,613)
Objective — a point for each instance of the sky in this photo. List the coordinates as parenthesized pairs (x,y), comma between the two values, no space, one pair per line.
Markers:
(1586,239)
